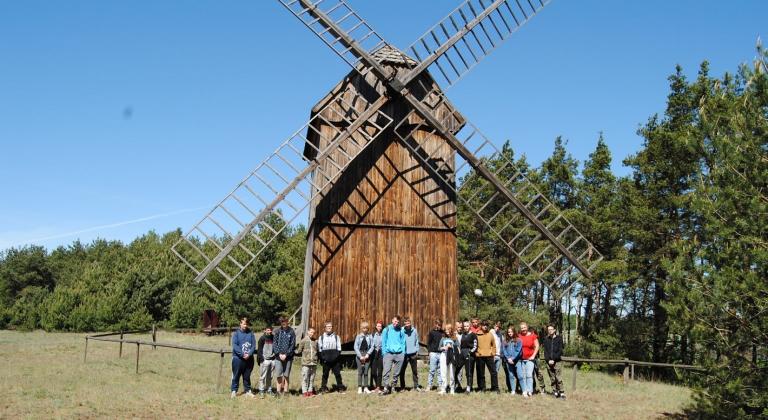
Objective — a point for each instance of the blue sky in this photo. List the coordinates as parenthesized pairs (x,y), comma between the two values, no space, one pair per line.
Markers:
(120,117)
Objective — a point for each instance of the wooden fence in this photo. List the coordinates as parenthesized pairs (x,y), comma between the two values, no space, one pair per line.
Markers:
(111,337)
(629,366)
(628,372)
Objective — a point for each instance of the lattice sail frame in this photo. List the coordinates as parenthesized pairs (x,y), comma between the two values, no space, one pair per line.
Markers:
(519,235)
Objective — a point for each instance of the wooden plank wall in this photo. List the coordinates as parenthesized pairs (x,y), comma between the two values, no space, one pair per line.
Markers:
(386,241)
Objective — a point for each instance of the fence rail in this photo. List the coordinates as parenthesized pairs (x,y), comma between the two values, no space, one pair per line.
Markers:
(628,372)
(629,366)
(111,337)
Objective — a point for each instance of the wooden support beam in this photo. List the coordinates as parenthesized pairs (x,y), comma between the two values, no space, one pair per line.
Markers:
(573,378)
(85,354)
(626,371)
(221,369)
(138,350)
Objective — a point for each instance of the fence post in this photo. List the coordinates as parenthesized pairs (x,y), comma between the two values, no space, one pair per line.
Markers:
(626,371)
(85,354)
(573,378)
(120,353)
(138,347)
(154,335)
(632,372)
(221,368)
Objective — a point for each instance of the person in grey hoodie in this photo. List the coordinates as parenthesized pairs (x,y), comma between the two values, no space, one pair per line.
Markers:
(265,355)
(363,350)
(243,346)
(411,354)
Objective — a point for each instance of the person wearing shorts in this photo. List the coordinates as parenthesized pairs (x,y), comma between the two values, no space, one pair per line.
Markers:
(285,345)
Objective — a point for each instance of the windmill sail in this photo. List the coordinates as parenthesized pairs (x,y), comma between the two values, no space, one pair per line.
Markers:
(235,232)
(452,47)
(517,231)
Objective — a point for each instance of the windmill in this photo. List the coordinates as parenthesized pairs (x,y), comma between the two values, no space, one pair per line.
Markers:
(377,169)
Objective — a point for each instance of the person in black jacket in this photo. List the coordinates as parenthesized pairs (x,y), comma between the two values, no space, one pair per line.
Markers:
(468,347)
(553,352)
(433,347)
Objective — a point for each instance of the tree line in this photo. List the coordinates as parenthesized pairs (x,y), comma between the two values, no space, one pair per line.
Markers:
(684,236)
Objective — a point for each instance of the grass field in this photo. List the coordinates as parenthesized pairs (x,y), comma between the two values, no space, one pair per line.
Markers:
(43,375)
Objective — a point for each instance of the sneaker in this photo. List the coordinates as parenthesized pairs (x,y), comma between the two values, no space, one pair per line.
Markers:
(525,395)
(250,394)
(419,388)
(233,395)
(261,394)
(366,390)
(453,391)
(359,390)
(469,389)
(442,391)
(323,390)
(562,395)
(386,391)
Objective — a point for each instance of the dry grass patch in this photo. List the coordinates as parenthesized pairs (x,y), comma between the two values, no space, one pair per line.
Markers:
(43,375)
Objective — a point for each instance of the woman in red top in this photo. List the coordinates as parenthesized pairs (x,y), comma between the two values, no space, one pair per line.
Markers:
(525,365)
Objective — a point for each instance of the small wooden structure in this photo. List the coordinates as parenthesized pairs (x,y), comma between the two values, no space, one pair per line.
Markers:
(210,321)
(382,240)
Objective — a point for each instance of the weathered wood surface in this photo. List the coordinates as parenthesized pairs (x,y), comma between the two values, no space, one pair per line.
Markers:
(384,240)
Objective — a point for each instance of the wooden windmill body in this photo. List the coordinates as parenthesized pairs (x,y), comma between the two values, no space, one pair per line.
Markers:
(383,237)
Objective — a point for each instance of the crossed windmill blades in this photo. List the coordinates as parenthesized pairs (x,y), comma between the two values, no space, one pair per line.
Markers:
(236,231)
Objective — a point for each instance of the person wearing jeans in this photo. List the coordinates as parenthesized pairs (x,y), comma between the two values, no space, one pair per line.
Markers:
(530,350)
(243,346)
(393,350)
(363,348)
(510,354)
(433,346)
(411,353)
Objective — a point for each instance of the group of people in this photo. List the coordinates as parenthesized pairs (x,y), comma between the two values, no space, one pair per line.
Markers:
(382,357)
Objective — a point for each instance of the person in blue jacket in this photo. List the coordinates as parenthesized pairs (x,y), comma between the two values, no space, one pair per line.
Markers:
(411,354)
(243,346)
(511,350)
(393,351)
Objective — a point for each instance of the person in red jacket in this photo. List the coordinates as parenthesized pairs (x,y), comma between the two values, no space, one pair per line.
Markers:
(530,351)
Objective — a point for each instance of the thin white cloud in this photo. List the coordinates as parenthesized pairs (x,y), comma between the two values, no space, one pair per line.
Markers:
(103,227)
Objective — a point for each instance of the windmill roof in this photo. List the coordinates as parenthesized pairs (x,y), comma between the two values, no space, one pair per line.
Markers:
(391,55)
